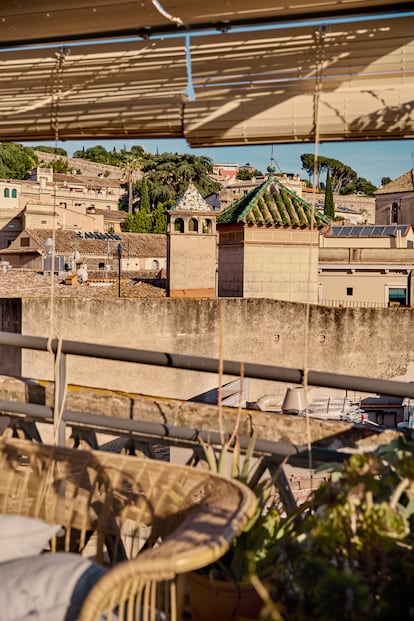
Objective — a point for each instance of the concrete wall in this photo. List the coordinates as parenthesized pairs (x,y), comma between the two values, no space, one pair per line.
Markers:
(10,321)
(278,263)
(231,262)
(283,273)
(364,287)
(357,341)
(405,206)
(362,207)
(191,264)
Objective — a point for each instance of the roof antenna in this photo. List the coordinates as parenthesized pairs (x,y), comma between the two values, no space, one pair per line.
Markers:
(271,169)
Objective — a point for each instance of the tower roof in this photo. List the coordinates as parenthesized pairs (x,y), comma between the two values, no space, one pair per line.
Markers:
(404,183)
(191,200)
(273,204)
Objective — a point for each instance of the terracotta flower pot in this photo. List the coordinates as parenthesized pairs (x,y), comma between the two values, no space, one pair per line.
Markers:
(222,600)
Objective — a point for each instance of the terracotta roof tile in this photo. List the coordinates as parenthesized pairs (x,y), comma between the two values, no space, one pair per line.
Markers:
(405,183)
(272,204)
(136,244)
(87,180)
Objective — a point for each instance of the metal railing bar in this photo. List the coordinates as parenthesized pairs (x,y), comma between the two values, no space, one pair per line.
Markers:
(184,436)
(41,412)
(211,365)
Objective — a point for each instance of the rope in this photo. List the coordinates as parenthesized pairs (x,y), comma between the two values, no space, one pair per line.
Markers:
(59,400)
(319,37)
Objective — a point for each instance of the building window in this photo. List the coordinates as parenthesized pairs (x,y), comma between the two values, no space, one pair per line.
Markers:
(397,296)
(394,213)
(349,291)
(207,226)
(14,193)
(179,225)
(6,192)
(155,265)
(193,225)
(25,241)
(9,242)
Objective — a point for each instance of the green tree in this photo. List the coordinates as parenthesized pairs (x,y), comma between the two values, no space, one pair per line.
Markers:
(244,174)
(144,201)
(308,164)
(130,164)
(385,180)
(54,150)
(143,222)
(16,160)
(364,186)
(340,173)
(58,166)
(159,221)
(329,207)
(94,154)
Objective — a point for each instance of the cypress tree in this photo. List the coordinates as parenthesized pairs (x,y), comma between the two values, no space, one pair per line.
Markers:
(144,204)
(329,207)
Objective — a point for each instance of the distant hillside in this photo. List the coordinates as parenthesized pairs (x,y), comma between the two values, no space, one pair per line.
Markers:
(88,168)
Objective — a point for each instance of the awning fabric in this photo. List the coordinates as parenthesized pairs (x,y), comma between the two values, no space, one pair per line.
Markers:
(260,87)
(113,89)
(348,81)
(45,20)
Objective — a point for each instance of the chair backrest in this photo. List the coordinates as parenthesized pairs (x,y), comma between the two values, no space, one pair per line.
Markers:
(113,507)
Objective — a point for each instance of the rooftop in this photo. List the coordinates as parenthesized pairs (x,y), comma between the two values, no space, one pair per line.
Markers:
(389,230)
(191,200)
(405,183)
(136,244)
(272,204)
(18,283)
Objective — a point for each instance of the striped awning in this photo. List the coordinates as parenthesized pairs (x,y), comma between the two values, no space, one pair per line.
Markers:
(37,21)
(346,81)
(356,80)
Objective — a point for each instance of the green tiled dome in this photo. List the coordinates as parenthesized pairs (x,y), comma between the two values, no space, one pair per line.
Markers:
(272,204)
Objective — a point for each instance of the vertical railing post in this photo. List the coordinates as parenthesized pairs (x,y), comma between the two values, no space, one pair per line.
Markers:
(60,397)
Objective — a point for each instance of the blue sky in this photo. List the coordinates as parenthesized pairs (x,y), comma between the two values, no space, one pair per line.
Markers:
(370,159)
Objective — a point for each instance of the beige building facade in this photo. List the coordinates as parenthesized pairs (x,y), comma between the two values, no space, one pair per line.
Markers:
(367,266)
(49,200)
(262,262)
(394,202)
(268,246)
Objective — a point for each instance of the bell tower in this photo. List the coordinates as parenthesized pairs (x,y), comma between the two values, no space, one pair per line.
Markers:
(191,247)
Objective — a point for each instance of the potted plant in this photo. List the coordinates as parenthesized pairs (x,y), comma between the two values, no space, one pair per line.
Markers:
(222,591)
(348,554)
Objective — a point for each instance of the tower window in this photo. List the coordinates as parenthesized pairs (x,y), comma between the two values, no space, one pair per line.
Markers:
(179,225)
(193,225)
(349,291)
(207,226)
(394,213)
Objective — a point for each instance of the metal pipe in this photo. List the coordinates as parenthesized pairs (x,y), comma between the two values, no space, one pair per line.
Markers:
(211,365)
(182,436)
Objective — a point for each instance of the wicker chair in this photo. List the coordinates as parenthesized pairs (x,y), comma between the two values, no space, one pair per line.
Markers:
(112,507)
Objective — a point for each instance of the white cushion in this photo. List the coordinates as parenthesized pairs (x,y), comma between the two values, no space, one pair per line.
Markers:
(24,536)
(49,587)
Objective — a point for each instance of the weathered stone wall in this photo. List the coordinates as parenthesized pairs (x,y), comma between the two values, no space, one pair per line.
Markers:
(192,264)
(357,341)
(10,321)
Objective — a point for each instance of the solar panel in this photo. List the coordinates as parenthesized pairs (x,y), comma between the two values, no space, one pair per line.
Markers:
(366,231)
